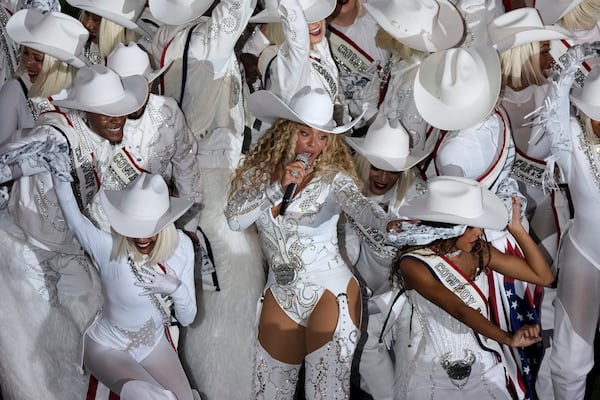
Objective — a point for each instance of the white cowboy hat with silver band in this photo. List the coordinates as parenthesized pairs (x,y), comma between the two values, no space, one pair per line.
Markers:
(460,201)
(56,34)
(143,208)
(426,25)
(128,60)
(310,107)
(98,89)
(458,88)
(388,148)
(522,26)
(314,10)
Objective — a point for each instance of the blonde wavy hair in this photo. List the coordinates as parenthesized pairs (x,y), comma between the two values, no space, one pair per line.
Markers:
(54,76)
(276,148)
(582,17)
(163,249)
(521,66)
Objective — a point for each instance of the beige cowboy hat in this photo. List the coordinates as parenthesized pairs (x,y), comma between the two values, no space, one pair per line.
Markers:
(177,12)
(131,59)
(460,201)
(458,88)
(310,107)
(587,98)
(426,25)
(98,89)
(553,10)
(521,26)
(56,34)
(314,10)
(121,12)
(143,208)
(388,148)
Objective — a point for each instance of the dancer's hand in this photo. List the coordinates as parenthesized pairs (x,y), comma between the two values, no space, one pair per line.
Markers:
(157,282)
(526,336)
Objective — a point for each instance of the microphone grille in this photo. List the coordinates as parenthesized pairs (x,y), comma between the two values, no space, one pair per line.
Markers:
(303,157)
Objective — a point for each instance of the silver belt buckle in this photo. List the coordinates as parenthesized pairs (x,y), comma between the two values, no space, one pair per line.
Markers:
(285,274)
(458,370)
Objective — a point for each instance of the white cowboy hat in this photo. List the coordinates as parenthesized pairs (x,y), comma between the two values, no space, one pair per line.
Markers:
(177,12)
(121,12)
(128,60)
(314,10)
(388,148)
(426,25)
(100,90)
(553,10)
(587,98)
(56,34)
(310,107)
(458,88)
(521,26)
(143,208)
(460,201)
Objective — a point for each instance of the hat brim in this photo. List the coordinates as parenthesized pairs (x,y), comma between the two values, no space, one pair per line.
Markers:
(494,215)
(449,35)
(136,93)
(151,76)
(319,11)
(16,29)
(268,107)
(132,227)
(57,53)
(450,118)
(173,14)
(592,111)
(553,10)
(530,36)
(396,164)
(116,18)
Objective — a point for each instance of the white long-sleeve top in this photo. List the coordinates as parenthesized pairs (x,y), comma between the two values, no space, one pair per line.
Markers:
(306,235)
(123,306)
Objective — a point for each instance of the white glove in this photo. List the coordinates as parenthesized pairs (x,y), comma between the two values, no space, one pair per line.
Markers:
(158,283)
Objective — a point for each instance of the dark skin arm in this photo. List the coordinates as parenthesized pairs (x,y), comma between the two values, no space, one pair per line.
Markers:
(417,276)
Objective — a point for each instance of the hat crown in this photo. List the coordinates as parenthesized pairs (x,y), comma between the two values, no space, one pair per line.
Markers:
(461,200)
(385,141)
(147,198)
(97,85)
(460,72)
(54,33)
(127,60)
(413,17)
(314,106)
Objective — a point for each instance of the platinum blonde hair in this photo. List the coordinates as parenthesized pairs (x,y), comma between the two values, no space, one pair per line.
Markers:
(54,76)
(521,66)
(110,34)
(583,17)
(405,181)
(165,246)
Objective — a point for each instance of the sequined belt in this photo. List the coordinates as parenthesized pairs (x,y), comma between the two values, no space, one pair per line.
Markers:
(528,170)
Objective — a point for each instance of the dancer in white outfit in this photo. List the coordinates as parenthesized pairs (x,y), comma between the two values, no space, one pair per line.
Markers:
(146,266)
(311,305)
(443,271)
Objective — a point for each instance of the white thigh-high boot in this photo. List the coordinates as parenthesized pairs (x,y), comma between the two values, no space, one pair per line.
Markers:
(136,390)
(328,367)
(376,367)
(274,379)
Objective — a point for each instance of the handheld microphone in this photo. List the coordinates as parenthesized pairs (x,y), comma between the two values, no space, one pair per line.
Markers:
(291,188)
